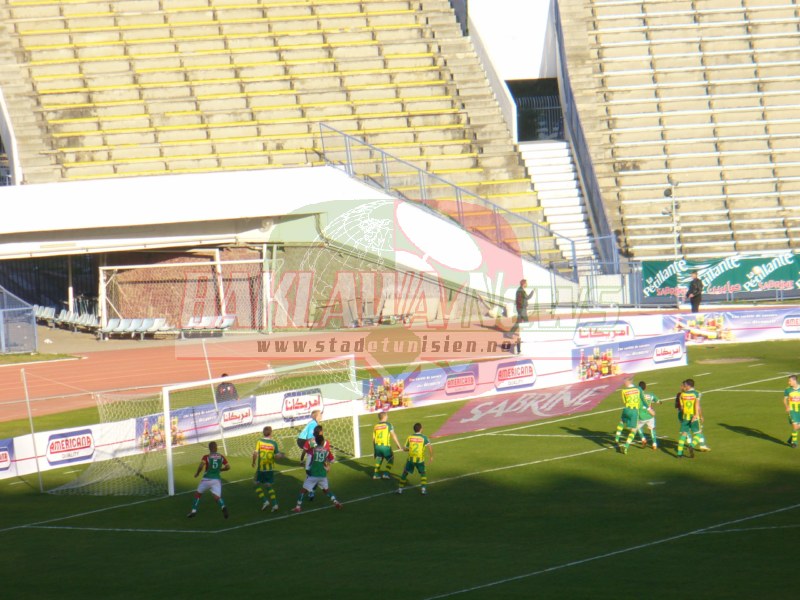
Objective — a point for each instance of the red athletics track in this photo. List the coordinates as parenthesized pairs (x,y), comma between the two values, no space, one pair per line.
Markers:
(65,385)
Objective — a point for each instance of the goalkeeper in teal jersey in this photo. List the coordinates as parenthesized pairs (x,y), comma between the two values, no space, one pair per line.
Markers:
(264,457)
(647,416)
(321,459)
(791,400)
(632,401)
(212,464)
(382,434)
(416,444)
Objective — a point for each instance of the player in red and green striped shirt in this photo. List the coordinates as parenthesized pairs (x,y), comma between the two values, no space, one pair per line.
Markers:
(264,455)
(416,444)
(212,464)
(321,459)
(791,400)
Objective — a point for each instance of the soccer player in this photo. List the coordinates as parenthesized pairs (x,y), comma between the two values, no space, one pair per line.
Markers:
(647,416)
(321,459)
(691,419)
(791,400)
(226,390)
(264,456)
(416,444)
(383,450)
(307,437)
(632,401)
(212,465)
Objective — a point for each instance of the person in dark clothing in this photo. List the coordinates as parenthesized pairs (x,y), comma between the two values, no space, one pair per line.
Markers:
(226,391)
(521,306)
(695,293)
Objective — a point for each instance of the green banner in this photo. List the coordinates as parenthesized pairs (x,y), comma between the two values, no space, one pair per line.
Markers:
(731,275)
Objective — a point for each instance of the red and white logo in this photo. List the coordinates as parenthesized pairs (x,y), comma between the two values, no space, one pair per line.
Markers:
(460,384)
(667,352)
(297,405)
(515,375)
(236,416)
(5,459)
(791,324)
(72,446)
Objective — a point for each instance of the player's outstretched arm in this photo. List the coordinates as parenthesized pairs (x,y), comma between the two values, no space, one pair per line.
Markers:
(397,442)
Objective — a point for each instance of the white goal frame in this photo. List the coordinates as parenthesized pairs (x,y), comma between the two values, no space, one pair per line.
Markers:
(355,403)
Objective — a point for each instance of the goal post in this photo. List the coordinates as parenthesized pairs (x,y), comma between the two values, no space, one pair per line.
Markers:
(145,438)
(282,398)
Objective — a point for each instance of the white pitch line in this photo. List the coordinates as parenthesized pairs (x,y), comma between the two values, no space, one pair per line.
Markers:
(118,529)
(702,374)
(755,391)
(549,435)
(582,561)
(756,365)
(745,529)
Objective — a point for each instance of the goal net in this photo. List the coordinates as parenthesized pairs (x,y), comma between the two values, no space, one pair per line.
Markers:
(161,437)
(181,292)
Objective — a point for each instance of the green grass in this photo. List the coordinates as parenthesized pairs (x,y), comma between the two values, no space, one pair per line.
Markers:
(545,510)
(15,359)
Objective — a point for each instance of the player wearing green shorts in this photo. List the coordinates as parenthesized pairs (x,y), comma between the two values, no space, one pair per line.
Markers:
(416,444)
(381,434)
(264,460)
(791,400)
(691,419)
(632,400)
(647,416)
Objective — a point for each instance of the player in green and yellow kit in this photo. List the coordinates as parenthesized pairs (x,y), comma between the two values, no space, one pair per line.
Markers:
(691,419)
(381,434)
(213,464)
(264,460)
(647,416)
(791,400)
(415,445)
(632,401)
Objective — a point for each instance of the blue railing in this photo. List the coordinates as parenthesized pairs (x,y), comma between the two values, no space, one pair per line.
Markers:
(605,243)
(405,180)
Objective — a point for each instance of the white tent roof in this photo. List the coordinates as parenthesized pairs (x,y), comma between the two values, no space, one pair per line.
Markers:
(162,199)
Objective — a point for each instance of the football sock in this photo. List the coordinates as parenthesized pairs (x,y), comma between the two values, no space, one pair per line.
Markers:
(794,436)
(403,479)
(389,465)
(330,495)
(377,467)
(631,435)
(617,435)
(272,497)
(699,440)
(196,502)
(221,502)
(300,498)
(260,493)
(424,480)
(653,435)
(681,443)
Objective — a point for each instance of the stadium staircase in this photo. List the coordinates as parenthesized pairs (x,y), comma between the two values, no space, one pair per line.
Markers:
(143,87)
(699,97)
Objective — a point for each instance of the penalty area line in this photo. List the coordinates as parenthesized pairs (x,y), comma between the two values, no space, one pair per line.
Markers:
(583,561)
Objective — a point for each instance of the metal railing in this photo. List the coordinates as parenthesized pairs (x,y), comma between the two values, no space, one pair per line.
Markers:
(407,181)
(575,134)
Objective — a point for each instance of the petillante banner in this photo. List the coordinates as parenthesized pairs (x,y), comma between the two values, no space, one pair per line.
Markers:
(730,275)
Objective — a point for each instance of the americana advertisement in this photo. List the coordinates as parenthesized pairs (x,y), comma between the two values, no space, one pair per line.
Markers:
(733,275)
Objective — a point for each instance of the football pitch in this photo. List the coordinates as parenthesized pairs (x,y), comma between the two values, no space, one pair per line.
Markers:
(546,509)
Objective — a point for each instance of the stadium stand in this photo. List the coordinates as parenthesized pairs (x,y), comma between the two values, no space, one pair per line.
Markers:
(694,97)
(123,88)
